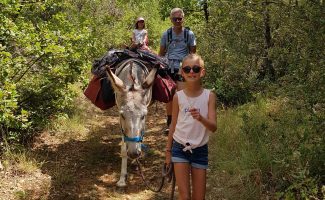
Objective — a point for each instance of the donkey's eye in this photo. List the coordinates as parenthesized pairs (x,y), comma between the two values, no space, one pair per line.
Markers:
(142,117)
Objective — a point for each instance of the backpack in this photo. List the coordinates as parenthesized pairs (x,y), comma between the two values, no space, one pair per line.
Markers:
(170,36)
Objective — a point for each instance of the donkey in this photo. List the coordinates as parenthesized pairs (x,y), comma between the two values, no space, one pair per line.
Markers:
(132,84)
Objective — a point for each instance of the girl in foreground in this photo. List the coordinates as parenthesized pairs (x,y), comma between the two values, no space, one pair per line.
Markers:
(193,119)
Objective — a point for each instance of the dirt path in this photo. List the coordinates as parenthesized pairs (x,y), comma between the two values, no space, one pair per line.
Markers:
(87,166)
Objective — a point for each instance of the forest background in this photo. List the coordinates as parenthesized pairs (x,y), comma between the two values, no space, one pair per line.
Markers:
(265,61)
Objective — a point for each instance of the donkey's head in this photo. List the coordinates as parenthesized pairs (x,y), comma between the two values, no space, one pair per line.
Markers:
(133,95)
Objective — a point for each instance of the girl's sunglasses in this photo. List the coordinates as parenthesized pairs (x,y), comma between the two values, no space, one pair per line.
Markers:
(195,69)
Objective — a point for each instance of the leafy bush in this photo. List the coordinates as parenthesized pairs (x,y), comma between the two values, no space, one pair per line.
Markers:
(42,53)
(273,146)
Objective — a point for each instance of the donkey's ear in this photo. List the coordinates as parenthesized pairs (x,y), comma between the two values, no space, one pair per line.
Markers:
(116,82)
(149,79)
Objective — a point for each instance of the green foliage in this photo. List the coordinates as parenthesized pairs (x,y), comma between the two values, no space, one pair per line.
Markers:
(232,49)
(41,54)
(11,118)
(280,144)
(272,145)
(188,6)
(111,23)
(298,52)
(236,49)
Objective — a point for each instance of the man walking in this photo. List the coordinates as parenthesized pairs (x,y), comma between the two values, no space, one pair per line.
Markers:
(176,43)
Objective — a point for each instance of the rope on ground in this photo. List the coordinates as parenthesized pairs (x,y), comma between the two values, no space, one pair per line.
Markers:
(167,173)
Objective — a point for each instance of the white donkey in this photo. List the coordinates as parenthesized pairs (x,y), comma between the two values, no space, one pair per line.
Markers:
(132,84)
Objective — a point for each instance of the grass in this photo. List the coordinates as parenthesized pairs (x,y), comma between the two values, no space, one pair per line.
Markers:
(265,149)
(62,176)
(233,159)
(41,194)
(71,126)
(20,161)
(21,195)
(67,128)
(256,153)
(228,177)
(22,179)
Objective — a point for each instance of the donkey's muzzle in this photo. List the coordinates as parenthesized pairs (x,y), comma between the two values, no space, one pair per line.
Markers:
(134,155)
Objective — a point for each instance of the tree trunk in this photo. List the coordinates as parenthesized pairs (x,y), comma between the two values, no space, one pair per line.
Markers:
(205,9)
(267,66)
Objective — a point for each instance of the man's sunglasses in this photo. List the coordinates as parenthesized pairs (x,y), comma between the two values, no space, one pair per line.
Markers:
(195,69)
(175,19)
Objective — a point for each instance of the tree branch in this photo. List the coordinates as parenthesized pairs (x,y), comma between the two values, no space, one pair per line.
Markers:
(28,68)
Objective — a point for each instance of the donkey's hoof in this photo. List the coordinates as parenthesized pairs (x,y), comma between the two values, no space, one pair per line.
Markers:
(121,183)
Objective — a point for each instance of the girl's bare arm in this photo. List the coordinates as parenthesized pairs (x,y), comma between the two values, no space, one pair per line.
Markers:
(146,41)
(133,38)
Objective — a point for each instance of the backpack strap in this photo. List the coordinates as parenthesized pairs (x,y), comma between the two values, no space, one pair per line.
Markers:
(186,35)
(169,36)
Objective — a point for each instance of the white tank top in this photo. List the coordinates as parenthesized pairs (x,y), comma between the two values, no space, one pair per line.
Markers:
(189,130)
(139,35)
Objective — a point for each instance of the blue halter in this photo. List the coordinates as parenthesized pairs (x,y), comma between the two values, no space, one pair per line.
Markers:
(134,139)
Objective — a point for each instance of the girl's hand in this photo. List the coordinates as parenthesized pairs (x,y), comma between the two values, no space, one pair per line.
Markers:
(196,114)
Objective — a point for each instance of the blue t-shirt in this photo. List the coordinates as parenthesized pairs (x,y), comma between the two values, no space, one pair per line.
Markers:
(177,49)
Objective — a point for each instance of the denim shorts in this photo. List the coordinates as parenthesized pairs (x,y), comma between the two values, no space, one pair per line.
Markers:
(198,158)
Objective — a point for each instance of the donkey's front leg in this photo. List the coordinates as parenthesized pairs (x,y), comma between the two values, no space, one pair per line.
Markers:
(122,181)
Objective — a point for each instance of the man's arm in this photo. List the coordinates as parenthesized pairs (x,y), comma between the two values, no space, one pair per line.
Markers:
(163,48)
(192,43)
(162,51)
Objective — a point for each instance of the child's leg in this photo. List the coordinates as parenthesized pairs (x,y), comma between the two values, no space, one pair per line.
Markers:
(182,173)
(198,183)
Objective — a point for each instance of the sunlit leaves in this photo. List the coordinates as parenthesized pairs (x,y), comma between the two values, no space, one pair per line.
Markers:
(41,54)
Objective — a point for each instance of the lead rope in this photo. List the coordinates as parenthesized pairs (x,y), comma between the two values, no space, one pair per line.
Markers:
(167,172)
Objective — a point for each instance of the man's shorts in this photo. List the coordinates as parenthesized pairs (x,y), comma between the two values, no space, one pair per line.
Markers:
(197,159)
(175,76)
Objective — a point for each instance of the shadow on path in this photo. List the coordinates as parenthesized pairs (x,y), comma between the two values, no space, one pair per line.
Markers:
(89,168)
